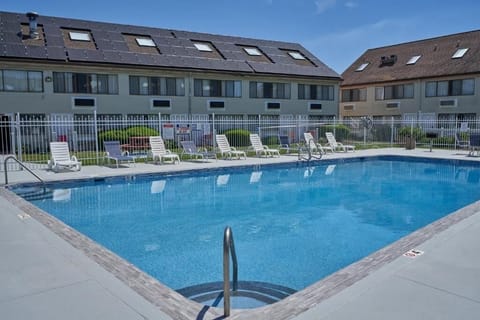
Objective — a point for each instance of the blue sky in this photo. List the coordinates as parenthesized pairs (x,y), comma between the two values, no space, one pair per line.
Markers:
(336,31)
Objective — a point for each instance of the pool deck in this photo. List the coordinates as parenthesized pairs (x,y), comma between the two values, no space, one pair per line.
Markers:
(44,276)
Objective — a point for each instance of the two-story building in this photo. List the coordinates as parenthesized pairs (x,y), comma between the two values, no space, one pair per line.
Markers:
(65,68)
(432,79)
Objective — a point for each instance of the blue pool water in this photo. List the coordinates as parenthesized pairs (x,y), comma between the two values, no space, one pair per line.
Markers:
(293,225)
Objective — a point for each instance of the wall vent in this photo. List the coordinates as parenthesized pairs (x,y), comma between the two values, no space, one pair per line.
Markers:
(84,102)
(157,103)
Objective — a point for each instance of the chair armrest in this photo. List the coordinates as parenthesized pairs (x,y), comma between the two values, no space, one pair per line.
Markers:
(74,158)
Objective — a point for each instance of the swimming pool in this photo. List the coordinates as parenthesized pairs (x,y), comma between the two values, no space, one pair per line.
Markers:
(293,225)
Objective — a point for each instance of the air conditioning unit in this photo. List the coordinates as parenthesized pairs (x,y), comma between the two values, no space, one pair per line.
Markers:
(160,103)
(83,102)
(448,103)
(392,105)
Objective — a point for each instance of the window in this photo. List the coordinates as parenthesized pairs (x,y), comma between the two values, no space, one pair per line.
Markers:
(79,36)
(459,53)
(217,88)
(145,42)
(269,90)
(252,51)
(21,81)
(402,91)
(156,86)
(413,60)
(362,66)
(459,87)
(296,55)
(203,47)
(316,92)
(68,82)
(349,95)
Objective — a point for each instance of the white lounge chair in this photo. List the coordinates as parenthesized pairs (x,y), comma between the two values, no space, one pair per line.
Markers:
(260,149)
(61,157)
(159,152)
(226,150)
(337,145)
(314,146)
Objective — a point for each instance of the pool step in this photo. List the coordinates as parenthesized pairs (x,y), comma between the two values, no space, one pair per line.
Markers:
(32,194)
(250,294)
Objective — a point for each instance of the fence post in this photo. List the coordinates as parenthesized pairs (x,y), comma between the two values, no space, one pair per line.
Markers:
(160,124)
(19,137)
(392,133)
(214,131)
(95,126)
(334,126)
(259,125)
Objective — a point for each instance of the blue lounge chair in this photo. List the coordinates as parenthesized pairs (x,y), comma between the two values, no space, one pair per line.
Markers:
(190,149)
(113,152)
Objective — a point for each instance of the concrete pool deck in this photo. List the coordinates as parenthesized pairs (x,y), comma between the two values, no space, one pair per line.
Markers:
(44,276)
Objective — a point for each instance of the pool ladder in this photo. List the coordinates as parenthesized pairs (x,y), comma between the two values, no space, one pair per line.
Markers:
(308,149)
(22,165)
(228,250)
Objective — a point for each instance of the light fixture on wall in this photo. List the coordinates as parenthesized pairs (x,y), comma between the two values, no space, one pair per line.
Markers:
(48,79)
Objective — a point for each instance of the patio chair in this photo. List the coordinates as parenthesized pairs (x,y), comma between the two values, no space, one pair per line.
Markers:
(260,149)
(286,145)
(115,153)
(461,143)
(159,152)
(314,146)
(337,145)
(190,149)
(226,151)
(60,157)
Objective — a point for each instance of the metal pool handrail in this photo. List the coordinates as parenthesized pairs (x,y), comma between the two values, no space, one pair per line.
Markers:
(22,165)
(228,249)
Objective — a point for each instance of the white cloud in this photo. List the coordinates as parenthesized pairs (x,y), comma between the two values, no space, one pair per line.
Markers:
(324,5)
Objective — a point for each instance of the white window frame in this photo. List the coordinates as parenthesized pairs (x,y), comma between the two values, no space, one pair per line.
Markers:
(204,47)
(362,67)
(145,42)
(79,36)
(459,53)
(296,55)
(414,59)
(252,51)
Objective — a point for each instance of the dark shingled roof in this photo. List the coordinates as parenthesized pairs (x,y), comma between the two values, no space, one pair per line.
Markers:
(175,49)
(436,60)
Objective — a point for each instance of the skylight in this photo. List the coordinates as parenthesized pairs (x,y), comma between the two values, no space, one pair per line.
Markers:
(252,51)
(79,36)
(459,53)
(413,59)
(362,66)
(145,42)
(203,47)
(296,55)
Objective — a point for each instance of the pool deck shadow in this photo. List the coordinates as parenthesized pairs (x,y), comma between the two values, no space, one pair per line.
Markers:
(49,271)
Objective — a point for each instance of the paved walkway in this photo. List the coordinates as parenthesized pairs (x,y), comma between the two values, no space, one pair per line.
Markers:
(43,276)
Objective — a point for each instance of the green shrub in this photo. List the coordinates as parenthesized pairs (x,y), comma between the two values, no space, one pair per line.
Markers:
(341,131)
(238,137)
(270,141)
(112,135)
(442,141)
(416,132)
(141,131)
